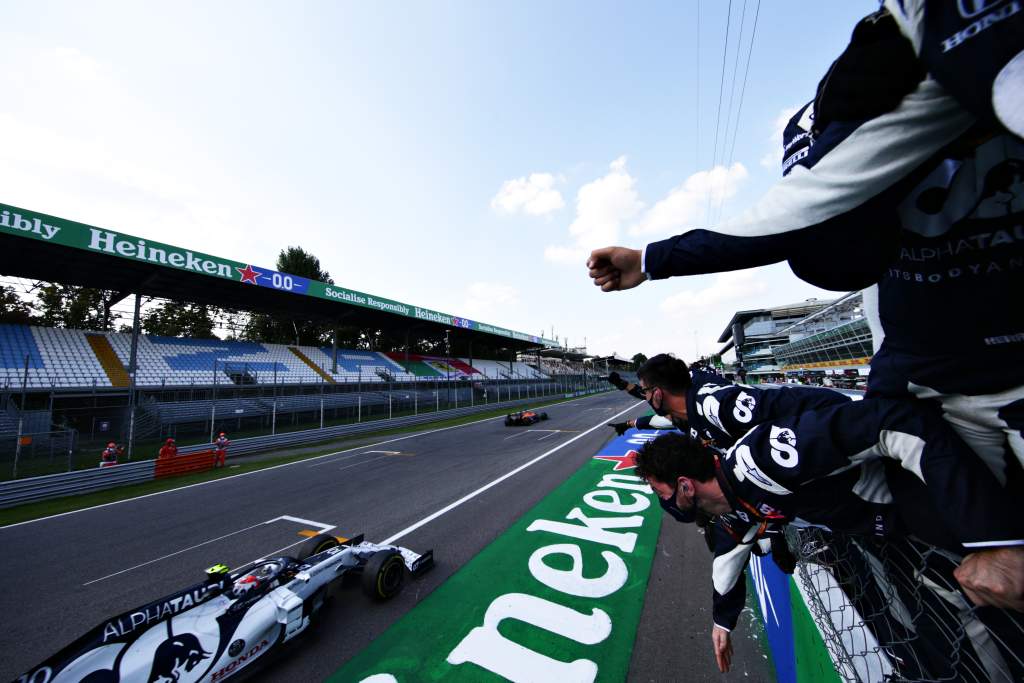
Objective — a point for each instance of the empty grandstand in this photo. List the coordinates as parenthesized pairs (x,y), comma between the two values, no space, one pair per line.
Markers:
(102,385)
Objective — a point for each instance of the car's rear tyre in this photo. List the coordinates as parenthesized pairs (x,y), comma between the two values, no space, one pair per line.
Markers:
(543,416)
(384,575)
(508,421)
(317,544)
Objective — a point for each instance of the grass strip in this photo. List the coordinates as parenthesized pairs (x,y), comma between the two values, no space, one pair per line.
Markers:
(45,508)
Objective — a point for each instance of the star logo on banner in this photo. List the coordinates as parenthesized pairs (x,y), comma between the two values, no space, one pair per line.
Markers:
(622,462)
(248,274)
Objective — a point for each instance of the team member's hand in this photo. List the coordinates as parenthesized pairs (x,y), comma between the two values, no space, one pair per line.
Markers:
(616,380)
(994,577)
(723,648)
(615,268)
(620,427)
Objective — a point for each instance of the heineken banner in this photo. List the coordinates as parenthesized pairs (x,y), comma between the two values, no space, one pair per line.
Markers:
(44,228)
(557,597)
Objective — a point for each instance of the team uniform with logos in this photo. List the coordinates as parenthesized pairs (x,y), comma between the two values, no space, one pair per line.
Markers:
(721,412)
(882,467)
(948,237)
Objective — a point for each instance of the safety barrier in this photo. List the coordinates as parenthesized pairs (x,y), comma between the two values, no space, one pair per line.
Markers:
(30,490)
(84,481)
(183,464)
(257,444)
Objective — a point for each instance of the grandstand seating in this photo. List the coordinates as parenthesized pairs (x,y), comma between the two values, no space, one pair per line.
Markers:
(63,358)
(505,370)
(57,358)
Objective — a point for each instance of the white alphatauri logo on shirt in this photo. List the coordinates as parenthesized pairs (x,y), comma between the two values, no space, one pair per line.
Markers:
(783,442)
(744,407)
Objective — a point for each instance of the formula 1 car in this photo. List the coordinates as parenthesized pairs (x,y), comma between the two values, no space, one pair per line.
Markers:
(214,629)
(524,417)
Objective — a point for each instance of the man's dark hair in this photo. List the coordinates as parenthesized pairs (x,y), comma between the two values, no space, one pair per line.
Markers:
(665,372)
(675,455)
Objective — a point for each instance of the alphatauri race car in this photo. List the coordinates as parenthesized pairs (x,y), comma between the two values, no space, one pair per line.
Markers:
(524,417)
(214,629)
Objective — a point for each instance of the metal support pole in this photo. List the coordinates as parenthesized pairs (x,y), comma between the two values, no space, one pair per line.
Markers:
(334,353)
(415,401)
(213,403)
(133,361)
(389,405)
(321,411)
(273,414)
(359,409)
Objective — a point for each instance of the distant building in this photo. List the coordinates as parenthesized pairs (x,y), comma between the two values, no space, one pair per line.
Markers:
(762,331)
(821,341)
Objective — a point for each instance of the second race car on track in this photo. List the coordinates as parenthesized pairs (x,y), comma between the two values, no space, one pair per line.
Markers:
(212,630)
(524,417)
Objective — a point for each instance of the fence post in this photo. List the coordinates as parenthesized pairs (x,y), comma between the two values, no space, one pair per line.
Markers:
(389,405)
(321,411)
(17,449)
(359,409)
(415,401)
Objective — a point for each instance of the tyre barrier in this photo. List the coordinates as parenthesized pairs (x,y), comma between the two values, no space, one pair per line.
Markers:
(21,491)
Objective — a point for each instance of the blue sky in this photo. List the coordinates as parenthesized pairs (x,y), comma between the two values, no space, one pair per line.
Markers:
(455,155)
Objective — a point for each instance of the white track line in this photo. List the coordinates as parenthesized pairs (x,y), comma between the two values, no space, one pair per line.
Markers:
(430,518)
(287,464)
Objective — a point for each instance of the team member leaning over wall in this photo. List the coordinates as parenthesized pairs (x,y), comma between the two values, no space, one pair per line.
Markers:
(717,412)
(829,467)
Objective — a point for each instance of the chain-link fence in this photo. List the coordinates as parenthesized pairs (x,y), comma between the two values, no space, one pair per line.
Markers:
(34,453)
(892,611)
(195,414)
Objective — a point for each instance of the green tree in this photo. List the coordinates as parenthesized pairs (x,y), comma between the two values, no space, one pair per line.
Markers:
(638,360)
(179,319)
(14,310)
(277,329)
(75,307)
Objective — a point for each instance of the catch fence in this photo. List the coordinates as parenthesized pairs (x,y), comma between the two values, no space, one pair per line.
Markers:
(893,611)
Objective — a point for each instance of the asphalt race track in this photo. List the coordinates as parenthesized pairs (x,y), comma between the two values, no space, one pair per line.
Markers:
(65,574)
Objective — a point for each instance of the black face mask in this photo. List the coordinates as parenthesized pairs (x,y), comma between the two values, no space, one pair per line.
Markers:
(660,412)
(680,515)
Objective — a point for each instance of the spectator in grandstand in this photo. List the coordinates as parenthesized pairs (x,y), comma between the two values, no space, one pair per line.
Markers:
(833,467)
(220,450)
(168,450)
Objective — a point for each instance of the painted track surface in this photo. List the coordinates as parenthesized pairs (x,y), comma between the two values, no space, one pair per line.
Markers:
(63,575)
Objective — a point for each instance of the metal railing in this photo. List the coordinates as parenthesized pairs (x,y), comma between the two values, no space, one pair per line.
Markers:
(84,481)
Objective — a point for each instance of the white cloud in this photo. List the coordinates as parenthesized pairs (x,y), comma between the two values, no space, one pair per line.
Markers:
(773,157)
(685,205)
(602,206)
(734,287)
(489,300)
(533,194)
